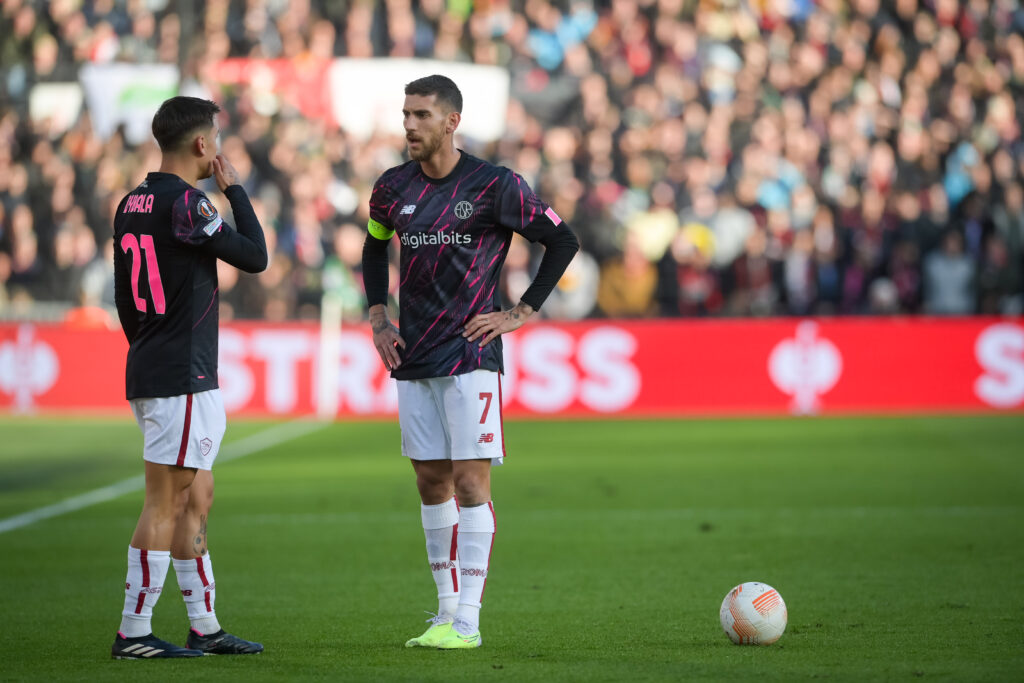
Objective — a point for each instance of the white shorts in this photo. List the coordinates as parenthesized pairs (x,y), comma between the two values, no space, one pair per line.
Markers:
(181,430)
(452,418)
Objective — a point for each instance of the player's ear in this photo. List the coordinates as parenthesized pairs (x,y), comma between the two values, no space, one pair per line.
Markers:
(199,144)
(453,122)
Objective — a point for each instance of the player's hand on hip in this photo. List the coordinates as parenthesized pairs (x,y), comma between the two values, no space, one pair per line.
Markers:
(387,341)
(489,326)
(224,172)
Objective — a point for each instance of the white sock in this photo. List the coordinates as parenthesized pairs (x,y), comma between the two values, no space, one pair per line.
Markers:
(147,570)
(440,523)
(195,579)
(476,538)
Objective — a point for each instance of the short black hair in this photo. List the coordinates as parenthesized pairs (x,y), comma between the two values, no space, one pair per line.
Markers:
(179,116)
(447,92)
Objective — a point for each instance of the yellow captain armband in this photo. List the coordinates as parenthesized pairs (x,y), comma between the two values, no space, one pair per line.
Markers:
(379,230)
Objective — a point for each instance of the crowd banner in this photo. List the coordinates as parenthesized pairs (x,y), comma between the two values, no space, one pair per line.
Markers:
(594,368)
(368,95)
(122,94)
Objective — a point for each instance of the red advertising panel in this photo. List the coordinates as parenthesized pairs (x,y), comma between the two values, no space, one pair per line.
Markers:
(720,367)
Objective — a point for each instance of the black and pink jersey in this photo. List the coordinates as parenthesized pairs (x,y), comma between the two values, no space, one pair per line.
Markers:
(454,234)
(167,239)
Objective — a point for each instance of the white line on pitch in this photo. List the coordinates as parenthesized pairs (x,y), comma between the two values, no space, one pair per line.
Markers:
(232,451)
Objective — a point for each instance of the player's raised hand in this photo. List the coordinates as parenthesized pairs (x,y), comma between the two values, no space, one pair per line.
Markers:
(224,172)
(386,338)
(489,326)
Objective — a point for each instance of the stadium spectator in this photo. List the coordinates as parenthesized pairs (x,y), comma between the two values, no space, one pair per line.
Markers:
(876,126)
(949,273)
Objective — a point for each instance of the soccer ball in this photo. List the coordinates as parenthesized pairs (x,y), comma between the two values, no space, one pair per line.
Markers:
(753,614)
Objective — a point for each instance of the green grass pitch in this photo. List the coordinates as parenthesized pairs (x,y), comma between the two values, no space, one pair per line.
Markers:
(897,544)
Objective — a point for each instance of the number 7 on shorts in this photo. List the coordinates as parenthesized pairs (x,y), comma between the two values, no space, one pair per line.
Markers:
(485,396)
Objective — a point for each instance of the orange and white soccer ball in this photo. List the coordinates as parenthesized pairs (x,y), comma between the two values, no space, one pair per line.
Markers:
(753,614)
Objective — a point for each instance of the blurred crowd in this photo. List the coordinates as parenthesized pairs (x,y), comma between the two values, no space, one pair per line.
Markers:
(715,157)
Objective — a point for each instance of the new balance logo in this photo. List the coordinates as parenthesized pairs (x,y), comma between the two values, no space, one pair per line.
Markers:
(482,573)
(407,209)
(486,438)
(439,566)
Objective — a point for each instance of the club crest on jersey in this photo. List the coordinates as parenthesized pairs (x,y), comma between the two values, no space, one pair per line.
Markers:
(463,210)
(206,209)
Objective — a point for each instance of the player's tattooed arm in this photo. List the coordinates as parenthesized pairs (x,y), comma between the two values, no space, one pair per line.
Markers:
(488,326)
(386,338)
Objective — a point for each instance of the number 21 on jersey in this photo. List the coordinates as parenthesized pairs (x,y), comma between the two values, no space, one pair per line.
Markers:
(131,245)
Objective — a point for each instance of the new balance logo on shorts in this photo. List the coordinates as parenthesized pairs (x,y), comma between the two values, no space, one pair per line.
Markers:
(486,438)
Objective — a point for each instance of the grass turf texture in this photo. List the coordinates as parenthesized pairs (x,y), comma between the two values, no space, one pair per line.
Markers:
(896,543)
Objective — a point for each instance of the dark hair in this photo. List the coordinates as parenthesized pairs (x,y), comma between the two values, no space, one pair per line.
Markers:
(442,86)
(179,116)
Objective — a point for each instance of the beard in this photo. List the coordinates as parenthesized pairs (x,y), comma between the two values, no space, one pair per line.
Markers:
(428,145)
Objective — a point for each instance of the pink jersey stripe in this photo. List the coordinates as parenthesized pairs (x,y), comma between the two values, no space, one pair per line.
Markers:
(409,352)
(207,311)
(408,270)
(486,188)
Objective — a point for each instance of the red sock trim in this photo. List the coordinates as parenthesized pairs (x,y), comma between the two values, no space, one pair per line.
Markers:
(202,572)
(453,556)
(490,505)
(144,560)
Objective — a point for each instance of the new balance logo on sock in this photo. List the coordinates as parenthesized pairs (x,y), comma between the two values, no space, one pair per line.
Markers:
(473,571)
(151,589)
(486,438)
(438,566)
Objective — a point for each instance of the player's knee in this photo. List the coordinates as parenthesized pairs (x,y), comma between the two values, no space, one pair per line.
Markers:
(180,503)
(201,493)
(472,489)
(434,490)
(200,501)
